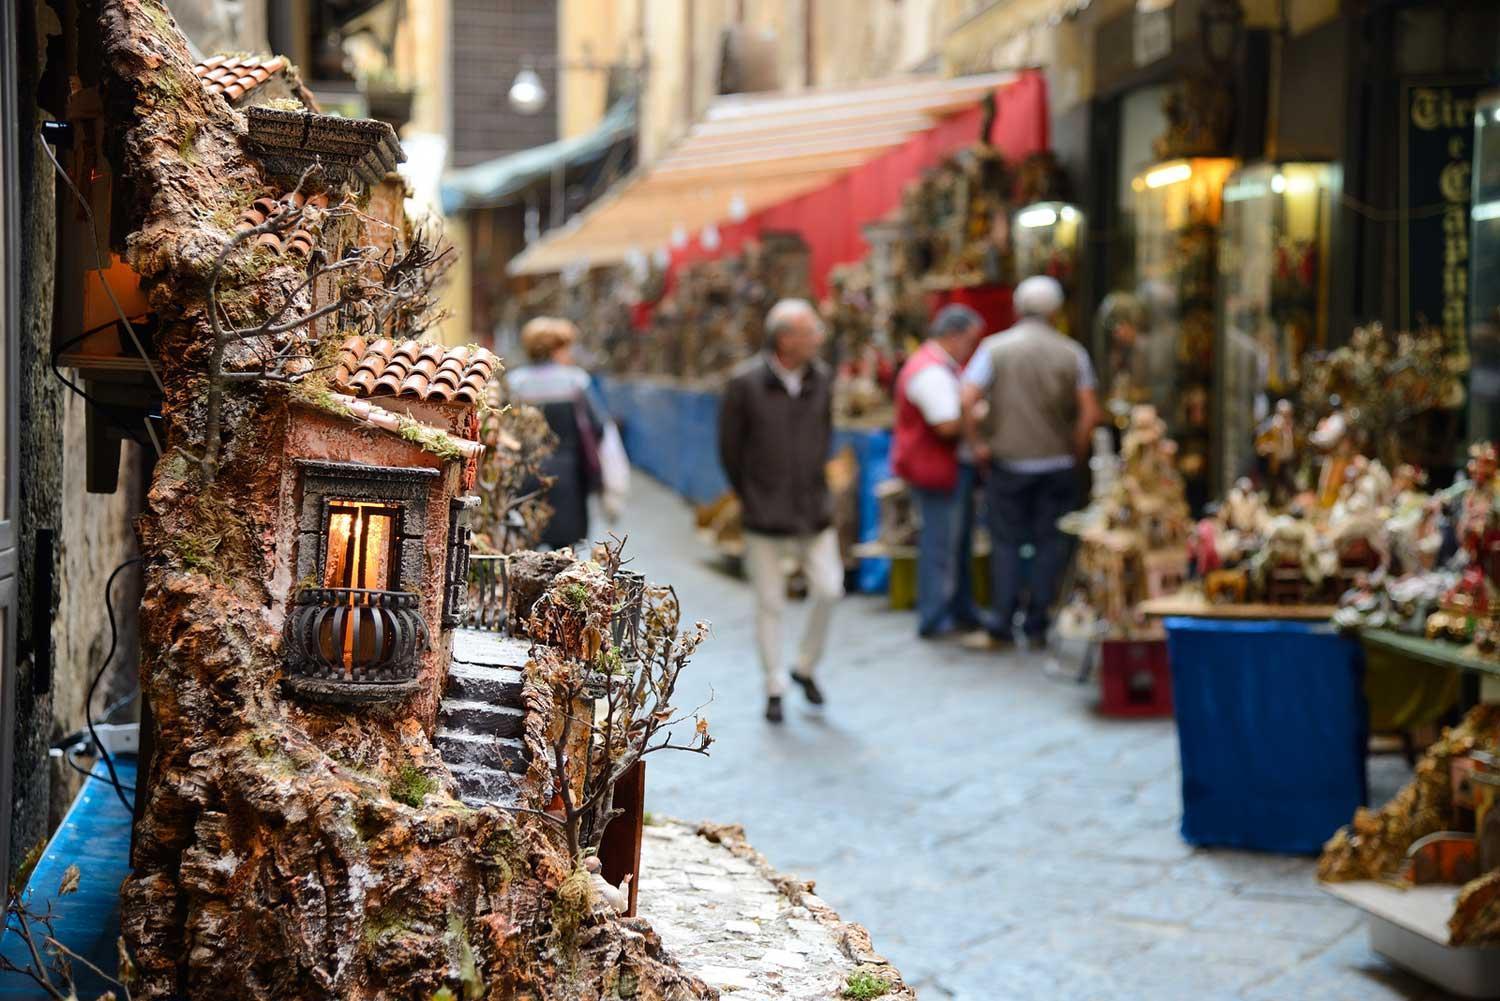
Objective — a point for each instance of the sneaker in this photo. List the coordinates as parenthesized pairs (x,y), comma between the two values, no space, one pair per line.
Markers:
(809,688)
(986,640)
(773,709)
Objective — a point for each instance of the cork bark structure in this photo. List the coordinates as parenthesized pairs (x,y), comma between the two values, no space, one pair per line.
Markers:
(272,859)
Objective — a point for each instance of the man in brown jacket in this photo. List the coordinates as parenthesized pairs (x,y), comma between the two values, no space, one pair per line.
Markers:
(775,431)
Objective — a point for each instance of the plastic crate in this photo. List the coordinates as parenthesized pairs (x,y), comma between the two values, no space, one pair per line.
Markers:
(1135,678)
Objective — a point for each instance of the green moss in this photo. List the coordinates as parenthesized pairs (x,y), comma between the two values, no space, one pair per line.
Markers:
(198,550)
(862,986)
(575,901)
(384,924)
(411,785)
(610,662)
(468,969)
(504,853)
(186,148)
(576,595)
(429,439)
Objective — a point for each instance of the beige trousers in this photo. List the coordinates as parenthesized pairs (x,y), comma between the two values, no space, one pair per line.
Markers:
(767,560)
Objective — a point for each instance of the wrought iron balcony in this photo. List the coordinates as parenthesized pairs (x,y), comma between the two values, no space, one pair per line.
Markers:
(351,645)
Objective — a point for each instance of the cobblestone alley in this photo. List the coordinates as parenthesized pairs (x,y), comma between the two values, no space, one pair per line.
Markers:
(998,839)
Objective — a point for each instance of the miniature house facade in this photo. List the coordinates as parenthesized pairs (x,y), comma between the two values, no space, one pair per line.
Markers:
(375,499)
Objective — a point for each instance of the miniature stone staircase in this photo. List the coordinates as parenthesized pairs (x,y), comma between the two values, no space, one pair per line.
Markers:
(482,717)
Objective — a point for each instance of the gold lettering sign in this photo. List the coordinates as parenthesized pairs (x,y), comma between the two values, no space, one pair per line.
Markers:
(1454,182)
(1433,108)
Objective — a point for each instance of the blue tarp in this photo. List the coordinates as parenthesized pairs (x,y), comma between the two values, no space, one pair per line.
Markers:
(1271,723)
(671,433)
(95,836)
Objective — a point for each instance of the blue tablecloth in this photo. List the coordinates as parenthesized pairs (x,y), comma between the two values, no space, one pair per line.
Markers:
(671,433)
(95,836)
(1271,723)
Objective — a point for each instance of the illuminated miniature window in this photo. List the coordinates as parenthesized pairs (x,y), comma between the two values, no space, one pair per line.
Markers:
(362,546)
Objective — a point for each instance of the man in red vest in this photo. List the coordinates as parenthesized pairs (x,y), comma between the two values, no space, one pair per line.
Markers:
(925,453)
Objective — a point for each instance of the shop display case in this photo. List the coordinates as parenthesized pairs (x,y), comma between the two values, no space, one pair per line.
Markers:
(1484,264)
(1167,358)
(1048,239)
(1272,298)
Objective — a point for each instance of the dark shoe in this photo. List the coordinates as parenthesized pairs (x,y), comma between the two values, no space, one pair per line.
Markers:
(773,709)
(810,689)
(986,640)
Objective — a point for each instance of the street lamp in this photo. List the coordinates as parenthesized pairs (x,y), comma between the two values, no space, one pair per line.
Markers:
(528,95)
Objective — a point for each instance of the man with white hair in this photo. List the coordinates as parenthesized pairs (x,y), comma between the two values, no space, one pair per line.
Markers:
(1042,405)
(775,432)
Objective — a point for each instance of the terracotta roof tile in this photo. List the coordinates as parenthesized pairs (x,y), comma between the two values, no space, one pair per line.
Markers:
(235,76)
(413,370)
(299,242)
(366,412)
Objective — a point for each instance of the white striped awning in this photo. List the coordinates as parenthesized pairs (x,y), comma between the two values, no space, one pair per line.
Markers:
(752,151)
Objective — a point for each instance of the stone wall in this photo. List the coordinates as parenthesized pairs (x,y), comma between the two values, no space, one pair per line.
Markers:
(93,533)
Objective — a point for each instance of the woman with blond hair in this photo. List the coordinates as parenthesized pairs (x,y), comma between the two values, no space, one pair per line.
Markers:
(562,391)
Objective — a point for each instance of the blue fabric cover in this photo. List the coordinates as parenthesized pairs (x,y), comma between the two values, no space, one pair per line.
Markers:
(95,835)
(671,434)
(1271,724)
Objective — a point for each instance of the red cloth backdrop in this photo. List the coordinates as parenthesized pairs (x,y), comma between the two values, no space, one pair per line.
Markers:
(832,219)
(992,302)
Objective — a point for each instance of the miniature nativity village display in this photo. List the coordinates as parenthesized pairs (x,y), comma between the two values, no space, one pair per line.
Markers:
(1335,516)
(387,739)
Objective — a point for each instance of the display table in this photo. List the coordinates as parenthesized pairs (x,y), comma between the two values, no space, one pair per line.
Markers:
(1198,607)
(1272,729)
(670,431)
(1411,681)
(1409,926)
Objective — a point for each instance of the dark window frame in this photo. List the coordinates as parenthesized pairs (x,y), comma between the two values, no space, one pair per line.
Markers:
(456,566)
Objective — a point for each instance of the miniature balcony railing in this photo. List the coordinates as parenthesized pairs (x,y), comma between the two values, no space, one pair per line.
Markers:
(350,645)
(625,624)
(488,606)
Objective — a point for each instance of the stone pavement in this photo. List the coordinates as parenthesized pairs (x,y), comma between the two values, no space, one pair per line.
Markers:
(756,934)
(997,839)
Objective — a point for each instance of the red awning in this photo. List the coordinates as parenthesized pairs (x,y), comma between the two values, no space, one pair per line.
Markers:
(820,163)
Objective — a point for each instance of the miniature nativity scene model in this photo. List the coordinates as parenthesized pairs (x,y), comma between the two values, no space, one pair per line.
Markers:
(387,750)
(377,764)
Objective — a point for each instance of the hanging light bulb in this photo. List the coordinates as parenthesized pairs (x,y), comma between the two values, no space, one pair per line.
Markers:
(709,237)
(661,257)
(528,94)
(679,236)
(739,211)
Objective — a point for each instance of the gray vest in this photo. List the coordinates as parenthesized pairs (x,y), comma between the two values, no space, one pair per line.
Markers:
(1034,395)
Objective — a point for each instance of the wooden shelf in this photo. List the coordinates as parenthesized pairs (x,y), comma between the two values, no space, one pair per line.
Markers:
(1195,606)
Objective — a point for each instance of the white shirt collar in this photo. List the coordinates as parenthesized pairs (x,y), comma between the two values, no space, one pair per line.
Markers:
(791,379)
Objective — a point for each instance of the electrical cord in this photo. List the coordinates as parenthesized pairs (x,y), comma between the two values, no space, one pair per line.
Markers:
(121,703)
(69,756)
(88,705)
